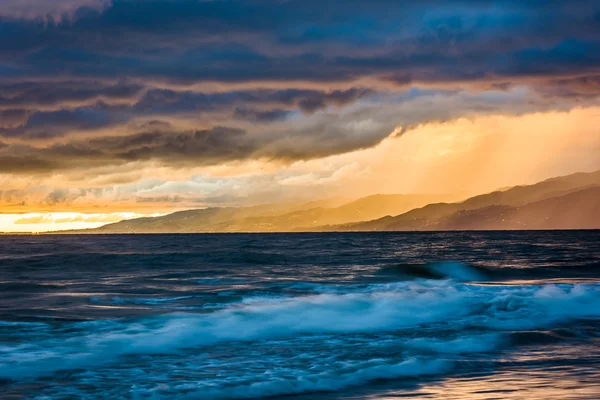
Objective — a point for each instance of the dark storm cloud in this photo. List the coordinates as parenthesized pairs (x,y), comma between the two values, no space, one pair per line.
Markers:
(13,118)
(187,148)
(47,125)
(48,95)
(578,88)
(89,65)
(235,40)
(172,101)
(261,116)
(250,105)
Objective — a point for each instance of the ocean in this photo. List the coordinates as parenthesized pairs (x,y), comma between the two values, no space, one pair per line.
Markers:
(445,315)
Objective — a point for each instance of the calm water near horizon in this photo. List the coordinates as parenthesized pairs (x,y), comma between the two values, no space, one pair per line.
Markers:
(448,315)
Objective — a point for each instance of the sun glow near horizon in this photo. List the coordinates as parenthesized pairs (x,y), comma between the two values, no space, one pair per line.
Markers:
(62,221)
(434,157)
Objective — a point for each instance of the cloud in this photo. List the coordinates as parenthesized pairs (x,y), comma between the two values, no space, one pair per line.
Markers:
(49,10)
(52,111)
(232,41)
(46,125)
(52,96)
(329,178)
(461,155)
(582,87)
(13,118)
(63,218)
(139,60)
(302,137)
(159,101)
(191,148)
(101,94)
(254,115)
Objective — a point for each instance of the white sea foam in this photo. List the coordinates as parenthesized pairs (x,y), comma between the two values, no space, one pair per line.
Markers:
(465,345)
(376,309)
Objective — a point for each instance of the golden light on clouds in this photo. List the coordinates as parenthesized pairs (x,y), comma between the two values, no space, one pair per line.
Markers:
(476,155)
(463,157)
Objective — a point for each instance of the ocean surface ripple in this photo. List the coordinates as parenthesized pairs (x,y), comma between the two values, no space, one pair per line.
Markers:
(462,315)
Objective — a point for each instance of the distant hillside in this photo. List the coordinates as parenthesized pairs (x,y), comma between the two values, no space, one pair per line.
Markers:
(577,210)
(366,208)
(565,202)
(272,218)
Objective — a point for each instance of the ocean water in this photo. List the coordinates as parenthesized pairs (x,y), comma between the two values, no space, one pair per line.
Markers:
(463,315)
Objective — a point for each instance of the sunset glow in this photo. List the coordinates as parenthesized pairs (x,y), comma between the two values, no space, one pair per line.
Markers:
(297,110)
(300,199)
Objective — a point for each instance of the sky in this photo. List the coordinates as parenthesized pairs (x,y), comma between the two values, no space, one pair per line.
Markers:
(113,109)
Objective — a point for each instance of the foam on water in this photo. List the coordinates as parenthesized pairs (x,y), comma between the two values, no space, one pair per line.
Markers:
(443,306)
(101,317)
(336,378)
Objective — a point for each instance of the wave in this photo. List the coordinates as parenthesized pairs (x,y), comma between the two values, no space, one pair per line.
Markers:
(476,273)
(221,281)
(440,270)
(139,300)
(418,308)
(346,376)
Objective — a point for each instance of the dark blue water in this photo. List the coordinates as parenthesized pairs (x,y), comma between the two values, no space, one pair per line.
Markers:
(473,315)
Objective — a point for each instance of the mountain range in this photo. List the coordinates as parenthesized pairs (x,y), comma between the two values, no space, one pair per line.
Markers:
(274,218)
(567,202)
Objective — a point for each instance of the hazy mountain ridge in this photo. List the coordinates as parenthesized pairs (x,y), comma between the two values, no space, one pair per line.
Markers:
(579,209)
(571,201)
(575,196)
(272,218)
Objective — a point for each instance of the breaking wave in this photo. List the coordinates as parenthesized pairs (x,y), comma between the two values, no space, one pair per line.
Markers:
(425,317)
